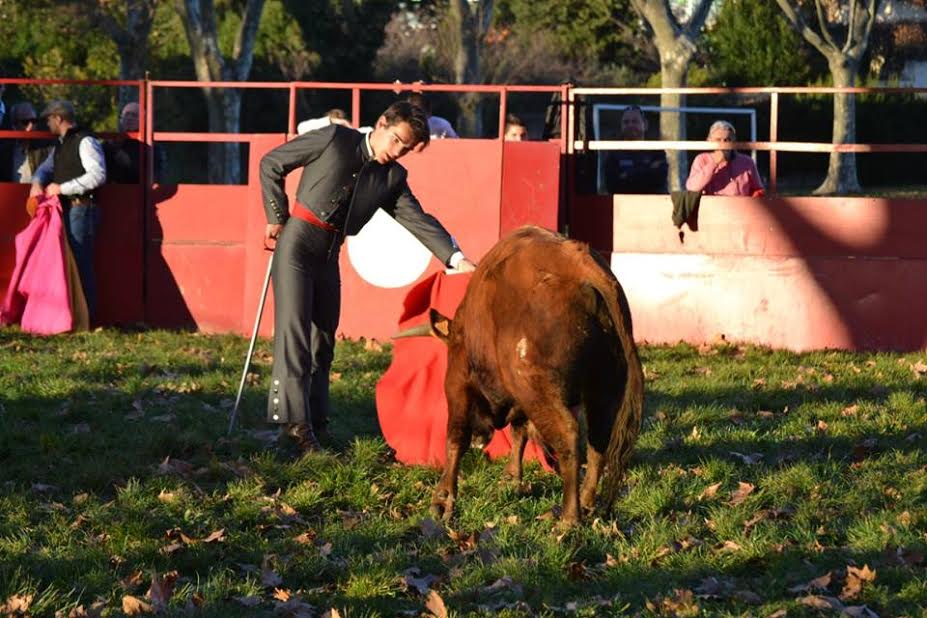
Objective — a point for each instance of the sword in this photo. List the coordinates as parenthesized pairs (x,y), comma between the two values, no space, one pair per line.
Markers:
(254,334)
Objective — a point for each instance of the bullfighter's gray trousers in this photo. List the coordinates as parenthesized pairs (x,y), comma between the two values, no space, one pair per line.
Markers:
(307,306)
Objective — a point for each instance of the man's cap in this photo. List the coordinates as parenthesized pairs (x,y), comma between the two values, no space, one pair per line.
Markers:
(58,108)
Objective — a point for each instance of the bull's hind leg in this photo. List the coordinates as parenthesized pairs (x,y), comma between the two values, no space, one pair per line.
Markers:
(600,416)
(560,430)
(513,469)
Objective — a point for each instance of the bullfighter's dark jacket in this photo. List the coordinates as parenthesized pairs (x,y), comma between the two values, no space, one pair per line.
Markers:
(338,167)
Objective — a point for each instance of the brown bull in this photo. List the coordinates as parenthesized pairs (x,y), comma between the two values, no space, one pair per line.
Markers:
(543,328)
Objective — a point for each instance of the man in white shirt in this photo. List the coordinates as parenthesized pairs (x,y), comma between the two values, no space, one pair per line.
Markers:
(75,168)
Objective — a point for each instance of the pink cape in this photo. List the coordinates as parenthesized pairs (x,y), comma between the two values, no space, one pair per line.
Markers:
(411,405)
(38,296)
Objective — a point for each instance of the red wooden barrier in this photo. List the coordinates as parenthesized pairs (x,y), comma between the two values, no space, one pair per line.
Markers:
(796,273)
(205,261)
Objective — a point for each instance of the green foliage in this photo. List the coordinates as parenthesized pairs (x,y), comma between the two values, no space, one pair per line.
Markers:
(751,44)
(345,41)
(596,35)
(581,28)
(280,41)
(47,40)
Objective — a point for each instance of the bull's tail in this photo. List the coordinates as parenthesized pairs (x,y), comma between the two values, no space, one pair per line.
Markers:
(627,423)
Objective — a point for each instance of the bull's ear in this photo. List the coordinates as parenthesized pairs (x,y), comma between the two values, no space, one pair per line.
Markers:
(440,325)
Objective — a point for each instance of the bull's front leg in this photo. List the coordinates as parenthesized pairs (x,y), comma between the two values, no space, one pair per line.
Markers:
(458,440)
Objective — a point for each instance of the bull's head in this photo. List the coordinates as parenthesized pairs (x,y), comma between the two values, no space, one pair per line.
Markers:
(438,326)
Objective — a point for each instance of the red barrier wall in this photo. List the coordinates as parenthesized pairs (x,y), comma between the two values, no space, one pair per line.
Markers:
(530,184)
(464,183)
(797,273)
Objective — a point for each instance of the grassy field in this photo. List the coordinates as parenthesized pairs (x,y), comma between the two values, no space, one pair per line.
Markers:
(764,484)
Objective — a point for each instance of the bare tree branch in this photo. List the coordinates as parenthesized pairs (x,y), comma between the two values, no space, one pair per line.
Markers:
(243,52)
(798,22)
(822,23)
(851,28)
(861,36)
(699,16)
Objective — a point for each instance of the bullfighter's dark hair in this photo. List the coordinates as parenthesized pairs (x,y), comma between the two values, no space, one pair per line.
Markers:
(404,111)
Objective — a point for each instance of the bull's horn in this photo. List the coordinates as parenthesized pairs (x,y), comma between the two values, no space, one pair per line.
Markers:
(419,330)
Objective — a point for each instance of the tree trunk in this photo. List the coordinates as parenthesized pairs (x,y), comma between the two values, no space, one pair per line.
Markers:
(131,66)
(676,45)
(674,69)
(467,67)
(131,41)
(224,107)
(841,170)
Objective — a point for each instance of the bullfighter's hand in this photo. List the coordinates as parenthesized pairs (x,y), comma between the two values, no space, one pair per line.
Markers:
(271,232)
(465,266)
(53,188)
(36,190)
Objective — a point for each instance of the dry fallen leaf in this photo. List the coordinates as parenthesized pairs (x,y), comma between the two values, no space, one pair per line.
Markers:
(133,580)
(161,590)
(681,605)
(710,491)
(17,604)
(740,494)
(132,606)
(282,594)
(166,496)
(422,585)
(216,536)
(855,580)
(175,466)
(435,604)
(169,549)
(730,546)
(821,602)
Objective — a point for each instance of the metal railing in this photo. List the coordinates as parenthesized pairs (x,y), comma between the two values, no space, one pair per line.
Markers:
(773,146)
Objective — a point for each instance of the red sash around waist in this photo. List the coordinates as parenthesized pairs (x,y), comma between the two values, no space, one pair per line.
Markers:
(301,212)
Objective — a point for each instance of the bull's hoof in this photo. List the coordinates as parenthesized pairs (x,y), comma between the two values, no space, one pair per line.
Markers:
(514,478)
(587,505)
(521,488)
(442,506)
(568,522)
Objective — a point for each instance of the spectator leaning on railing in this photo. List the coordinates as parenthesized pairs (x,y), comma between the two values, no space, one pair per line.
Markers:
(635,171)
(19,159)
(724,171)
